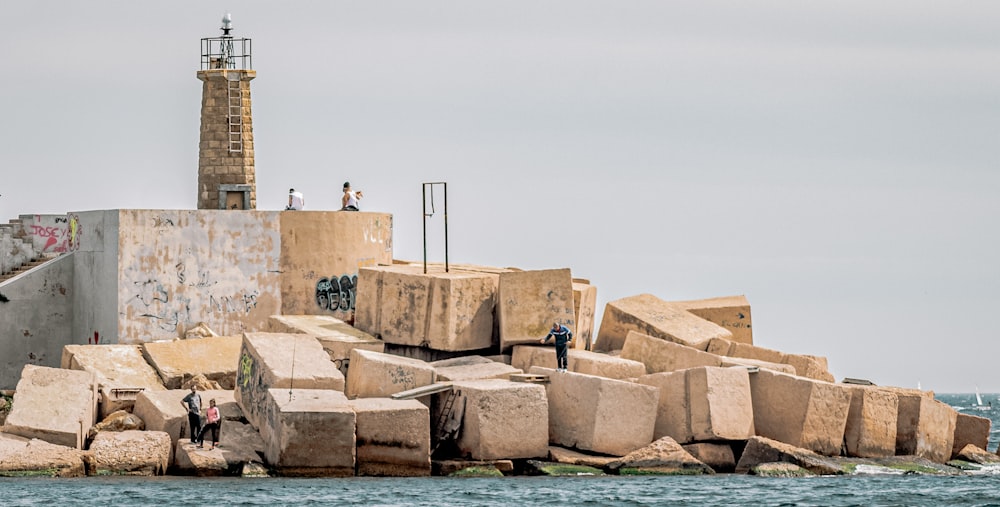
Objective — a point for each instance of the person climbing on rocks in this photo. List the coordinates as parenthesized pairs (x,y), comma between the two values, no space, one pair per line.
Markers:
(563,335)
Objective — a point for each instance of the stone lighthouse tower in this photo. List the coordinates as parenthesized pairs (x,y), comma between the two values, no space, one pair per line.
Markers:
(225,152)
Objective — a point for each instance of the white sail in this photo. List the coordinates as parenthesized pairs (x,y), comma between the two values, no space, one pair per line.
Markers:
(979,399)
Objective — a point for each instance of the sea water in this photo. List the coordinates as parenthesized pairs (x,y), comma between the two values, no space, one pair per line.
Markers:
(981,489)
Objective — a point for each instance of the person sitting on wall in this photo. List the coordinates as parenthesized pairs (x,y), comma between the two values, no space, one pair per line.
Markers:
(351,198)
(296,200)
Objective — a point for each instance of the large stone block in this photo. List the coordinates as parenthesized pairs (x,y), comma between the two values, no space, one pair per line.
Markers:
(585,308)
(528,302)
(239,444)
(450,311)
(870,431)
(579,361)
(729,312)
(655,317)
(393,437)
(337,337)
(121,372)
(659,355)
(178,361)
(718,456)
(925,427)
(800,412)
(308,432)
(131,452)
(970,429)
(598,414)
(375,375)
(501,419)
(21,456)
(808,366)
(703,404)
(54,404)
(281,361)
(471,368)
(163,411)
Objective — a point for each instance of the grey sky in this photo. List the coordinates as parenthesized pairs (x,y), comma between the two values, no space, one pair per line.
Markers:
(834,161)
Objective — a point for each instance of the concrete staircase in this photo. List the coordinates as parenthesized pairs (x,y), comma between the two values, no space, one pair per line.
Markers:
(17,252)
(24,267)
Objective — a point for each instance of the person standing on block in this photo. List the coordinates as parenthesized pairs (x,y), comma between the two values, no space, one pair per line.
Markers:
(213,424)
(192,402)
(562,335)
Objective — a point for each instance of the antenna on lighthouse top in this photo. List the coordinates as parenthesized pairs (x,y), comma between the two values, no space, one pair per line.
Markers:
(227,25)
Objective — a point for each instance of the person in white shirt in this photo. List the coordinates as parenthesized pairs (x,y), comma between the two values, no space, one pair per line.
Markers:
(351,198)
(296,200)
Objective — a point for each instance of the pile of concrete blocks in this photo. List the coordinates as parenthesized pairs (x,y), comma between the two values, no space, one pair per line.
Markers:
(655,317)
(501,419)
(802,412)
(660,355)
(337,337)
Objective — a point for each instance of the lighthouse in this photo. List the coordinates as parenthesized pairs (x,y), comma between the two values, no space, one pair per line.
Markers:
(225,150)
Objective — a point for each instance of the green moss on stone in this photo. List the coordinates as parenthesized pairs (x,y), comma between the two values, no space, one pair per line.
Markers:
(46,472)
(564,470)
(849,468)
(477,471)
(659,471)
(914,468)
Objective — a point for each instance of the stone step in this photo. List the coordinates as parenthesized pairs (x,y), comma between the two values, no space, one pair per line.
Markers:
(24,267)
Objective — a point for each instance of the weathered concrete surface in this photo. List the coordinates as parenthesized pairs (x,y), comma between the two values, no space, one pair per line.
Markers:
(120,370)
(375,375)
(502,420)
(440,310)
(131,452)
(662,456)
(655,317)
(970,430)
(337,337)
(54,405)
(728,362)
(925,427)
(528,302)
(703,404)
(598,414)
(162,410)
(585,308)
(579,361)
(870,431)
(718,456)
(729,312)
(178,268)
(48,233)
(659,355)
(21,456)
(281,361)
(393,437)
(813,367)
(177,361)
(37,318)
(800,412)
(321,254)
(571,457)
(308,432)
(471,368)
(239,444)
(761,450)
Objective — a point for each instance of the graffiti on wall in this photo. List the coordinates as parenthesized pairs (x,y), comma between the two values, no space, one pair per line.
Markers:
(375,233)
(74,232)
(51,238)
(337,293)
(170,304)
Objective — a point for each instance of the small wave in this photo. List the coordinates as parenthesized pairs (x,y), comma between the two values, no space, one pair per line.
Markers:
(864,469)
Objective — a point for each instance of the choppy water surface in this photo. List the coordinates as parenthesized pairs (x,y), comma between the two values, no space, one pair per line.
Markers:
(878,490)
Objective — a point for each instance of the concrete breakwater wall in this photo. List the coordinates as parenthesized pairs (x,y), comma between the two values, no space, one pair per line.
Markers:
(668,408)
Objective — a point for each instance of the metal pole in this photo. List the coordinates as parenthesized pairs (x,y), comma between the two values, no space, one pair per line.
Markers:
(424,204)
(445,226)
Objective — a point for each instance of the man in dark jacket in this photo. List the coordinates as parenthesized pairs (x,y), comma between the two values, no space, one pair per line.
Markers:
(563,335)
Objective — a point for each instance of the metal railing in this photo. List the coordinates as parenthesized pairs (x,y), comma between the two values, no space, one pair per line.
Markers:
(226,53)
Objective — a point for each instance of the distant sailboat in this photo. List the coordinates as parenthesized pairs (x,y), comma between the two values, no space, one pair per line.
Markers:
(979,402)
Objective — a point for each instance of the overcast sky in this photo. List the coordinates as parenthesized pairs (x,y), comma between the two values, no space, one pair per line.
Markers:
(836,162)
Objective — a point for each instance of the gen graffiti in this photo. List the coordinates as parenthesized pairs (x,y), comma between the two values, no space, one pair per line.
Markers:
(337,294)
